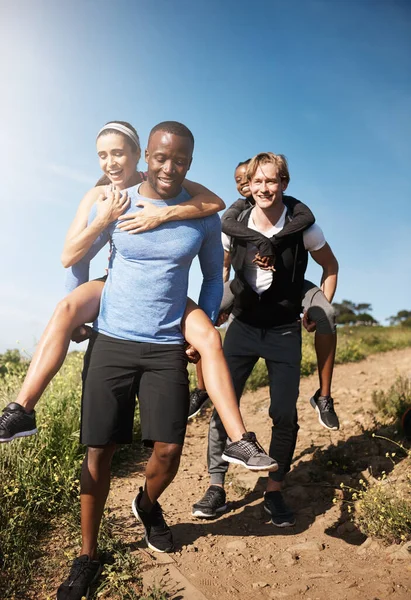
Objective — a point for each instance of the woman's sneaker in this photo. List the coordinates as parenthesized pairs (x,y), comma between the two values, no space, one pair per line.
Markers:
(16,422)
(83,574)
(211,504)
(157,533)
(281,515)
(248,453)
(197,400)
(324,405)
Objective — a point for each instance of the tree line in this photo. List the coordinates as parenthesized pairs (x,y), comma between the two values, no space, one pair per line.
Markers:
(349,313)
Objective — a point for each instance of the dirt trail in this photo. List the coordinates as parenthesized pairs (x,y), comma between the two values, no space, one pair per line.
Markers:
(241,554)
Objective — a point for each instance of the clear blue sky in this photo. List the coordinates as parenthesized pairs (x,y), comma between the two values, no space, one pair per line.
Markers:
(328,83)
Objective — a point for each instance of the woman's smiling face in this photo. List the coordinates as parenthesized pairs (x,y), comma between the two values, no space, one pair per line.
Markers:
(117,159)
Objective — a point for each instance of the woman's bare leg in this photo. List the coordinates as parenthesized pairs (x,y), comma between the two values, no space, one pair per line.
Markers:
(201,333)
(81,306)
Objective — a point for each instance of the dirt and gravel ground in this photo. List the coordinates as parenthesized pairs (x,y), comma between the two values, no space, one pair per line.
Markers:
(242,555)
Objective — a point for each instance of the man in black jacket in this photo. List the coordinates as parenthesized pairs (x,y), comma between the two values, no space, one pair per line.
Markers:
(267,305)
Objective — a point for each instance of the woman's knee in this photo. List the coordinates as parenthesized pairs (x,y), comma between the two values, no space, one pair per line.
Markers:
(324,317)
(209,340)
(66,310)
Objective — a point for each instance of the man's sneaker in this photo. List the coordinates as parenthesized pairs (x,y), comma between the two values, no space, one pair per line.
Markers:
(274,505)
(197,400)
(211,504)
(324,405)
(248,453)
(83,574)
(157,533)
(15,422)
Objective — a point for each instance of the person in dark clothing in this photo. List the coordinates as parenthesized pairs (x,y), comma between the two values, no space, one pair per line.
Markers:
(319,315)
(266,324)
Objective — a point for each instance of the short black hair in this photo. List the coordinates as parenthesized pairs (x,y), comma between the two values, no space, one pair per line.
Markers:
(173,127)
(244,162)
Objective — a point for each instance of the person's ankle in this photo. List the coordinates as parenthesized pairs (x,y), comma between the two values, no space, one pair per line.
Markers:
(274,486)
(145,503)
(90,552)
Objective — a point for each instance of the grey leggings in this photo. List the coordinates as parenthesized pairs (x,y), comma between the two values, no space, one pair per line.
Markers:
(314,302)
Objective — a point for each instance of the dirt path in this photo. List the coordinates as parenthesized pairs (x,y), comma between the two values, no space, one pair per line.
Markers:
(242,555)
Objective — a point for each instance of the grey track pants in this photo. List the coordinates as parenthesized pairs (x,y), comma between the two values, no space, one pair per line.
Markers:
(281,349)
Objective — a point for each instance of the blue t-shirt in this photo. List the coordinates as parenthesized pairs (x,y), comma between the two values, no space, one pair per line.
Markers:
(145,294)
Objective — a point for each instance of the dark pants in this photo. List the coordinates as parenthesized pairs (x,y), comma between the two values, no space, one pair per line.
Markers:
(281,349)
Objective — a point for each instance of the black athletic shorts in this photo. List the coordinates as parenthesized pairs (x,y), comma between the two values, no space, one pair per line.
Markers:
(115,371)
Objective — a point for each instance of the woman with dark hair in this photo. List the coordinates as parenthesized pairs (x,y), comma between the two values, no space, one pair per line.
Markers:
(118,148)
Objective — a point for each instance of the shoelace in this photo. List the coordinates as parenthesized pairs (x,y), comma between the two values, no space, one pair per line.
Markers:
(8,416)
(157,518)
(250,444)
(77,570)
(209,495)
(326,403)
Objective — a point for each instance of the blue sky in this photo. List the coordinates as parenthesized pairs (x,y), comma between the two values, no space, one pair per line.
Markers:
(328,83)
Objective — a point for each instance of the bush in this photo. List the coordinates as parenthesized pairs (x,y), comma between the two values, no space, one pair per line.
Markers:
(381,513)
(40,481)
(396,400)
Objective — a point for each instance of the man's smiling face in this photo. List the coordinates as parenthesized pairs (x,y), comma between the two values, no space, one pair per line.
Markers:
(168,157)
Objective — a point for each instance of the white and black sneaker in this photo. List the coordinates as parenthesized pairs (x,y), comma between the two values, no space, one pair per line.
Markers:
(16,422)
(324,405)
(281,515)
(248,453)
(212,504)
(197,400)
(157,533)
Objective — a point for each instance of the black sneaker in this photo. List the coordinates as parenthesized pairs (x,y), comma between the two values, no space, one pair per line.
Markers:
(83,574)
(274,505)
(248,453)
(211,504)
(197,400)
(324,405)
(157,533)
(15,422)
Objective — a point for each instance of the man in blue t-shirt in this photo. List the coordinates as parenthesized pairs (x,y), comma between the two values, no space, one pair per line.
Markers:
(138,348)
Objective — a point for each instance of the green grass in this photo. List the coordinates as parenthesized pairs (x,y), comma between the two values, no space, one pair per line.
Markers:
(40,486)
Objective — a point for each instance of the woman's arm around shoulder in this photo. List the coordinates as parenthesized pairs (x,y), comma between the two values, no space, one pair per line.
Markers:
(202,203)
(82,234)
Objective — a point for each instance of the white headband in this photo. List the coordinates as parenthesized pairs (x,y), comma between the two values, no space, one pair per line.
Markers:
(122,129)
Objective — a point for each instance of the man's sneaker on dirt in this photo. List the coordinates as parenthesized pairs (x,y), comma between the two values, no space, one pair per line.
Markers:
(281,514)
(248,453)
(83,574)
(324,405)
(212,504)
(197,400)
(16,422)
(157,533)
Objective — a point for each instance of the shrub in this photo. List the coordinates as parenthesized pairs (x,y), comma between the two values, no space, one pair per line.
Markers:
(381,513)
(394,402)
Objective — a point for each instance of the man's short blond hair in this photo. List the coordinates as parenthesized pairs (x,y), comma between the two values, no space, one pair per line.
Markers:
(278,160)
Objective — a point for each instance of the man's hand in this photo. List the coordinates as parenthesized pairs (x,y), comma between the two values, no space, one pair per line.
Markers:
(149,218)
(81,333)
(192,354)
(222,318)
(309,325)
(266,263)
